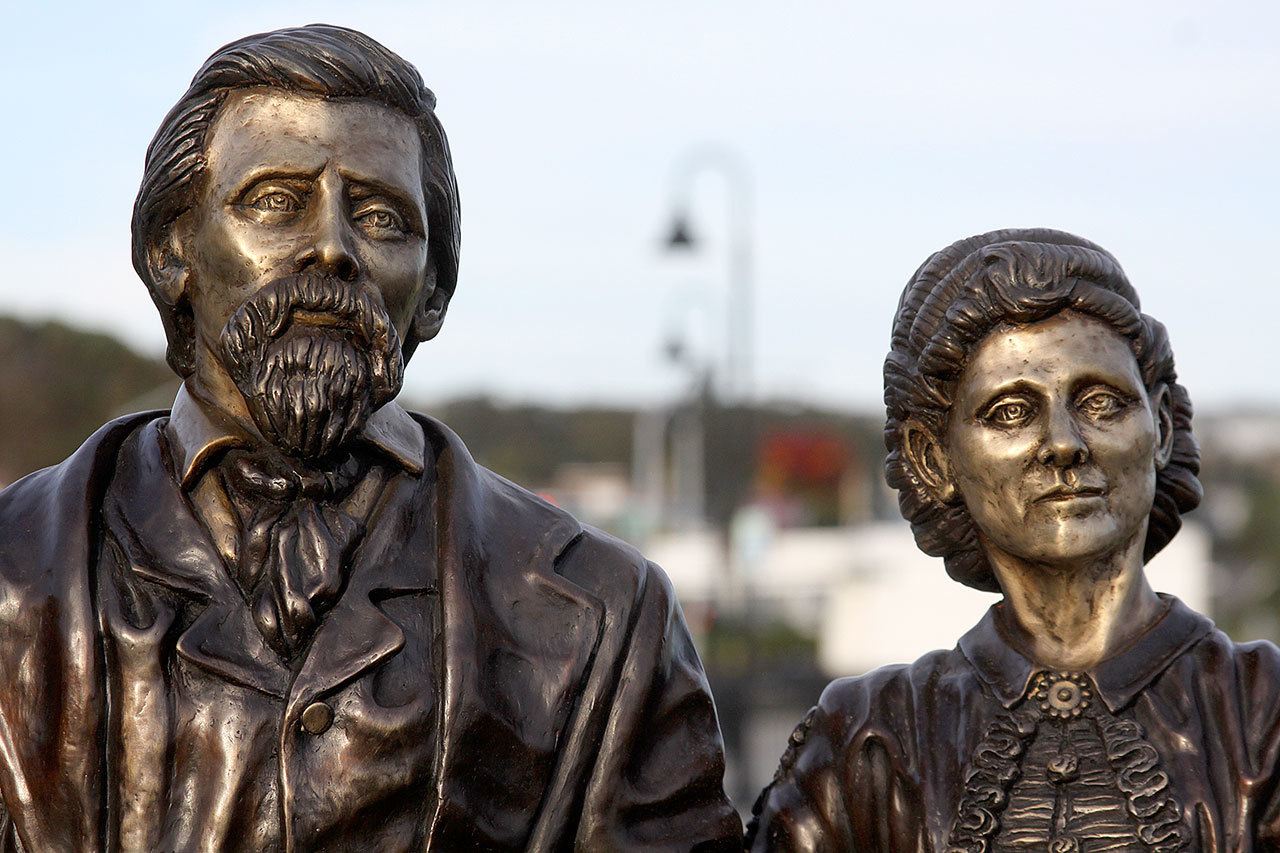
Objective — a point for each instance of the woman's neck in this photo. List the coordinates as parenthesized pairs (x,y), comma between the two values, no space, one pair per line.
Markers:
(1071,617)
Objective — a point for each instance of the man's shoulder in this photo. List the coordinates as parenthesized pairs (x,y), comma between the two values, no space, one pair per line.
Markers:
(613,571)
(45,517)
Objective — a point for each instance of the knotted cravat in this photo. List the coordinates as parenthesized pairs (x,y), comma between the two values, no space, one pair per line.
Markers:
(295,541)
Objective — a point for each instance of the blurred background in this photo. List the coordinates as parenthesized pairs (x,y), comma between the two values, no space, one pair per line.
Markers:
(685,229)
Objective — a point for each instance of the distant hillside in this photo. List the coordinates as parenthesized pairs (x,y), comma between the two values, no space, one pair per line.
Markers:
(58,384)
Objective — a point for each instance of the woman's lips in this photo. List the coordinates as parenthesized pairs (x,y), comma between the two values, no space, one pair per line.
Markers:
(1069,493)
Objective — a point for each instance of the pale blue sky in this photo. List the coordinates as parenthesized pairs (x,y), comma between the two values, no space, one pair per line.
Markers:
(876,133)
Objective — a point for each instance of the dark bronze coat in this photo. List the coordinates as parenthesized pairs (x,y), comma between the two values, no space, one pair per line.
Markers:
(570,708)
(887,761)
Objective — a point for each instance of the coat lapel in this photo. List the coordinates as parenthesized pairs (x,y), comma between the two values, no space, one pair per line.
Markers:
(516,640)
(165,544)
(356,635)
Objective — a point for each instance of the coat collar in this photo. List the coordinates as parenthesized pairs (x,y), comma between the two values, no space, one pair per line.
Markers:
(198,433)
(1118,679)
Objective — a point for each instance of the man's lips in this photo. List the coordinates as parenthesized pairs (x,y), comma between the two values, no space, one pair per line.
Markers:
(318,318)
(1067,493)
(326,320)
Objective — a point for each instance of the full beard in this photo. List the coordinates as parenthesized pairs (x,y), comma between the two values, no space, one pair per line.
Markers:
(311,386)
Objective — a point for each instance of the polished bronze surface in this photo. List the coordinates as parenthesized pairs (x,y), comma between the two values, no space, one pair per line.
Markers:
(287,614)
(1042,446)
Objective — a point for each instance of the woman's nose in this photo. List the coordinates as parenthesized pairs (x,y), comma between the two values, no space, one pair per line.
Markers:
(1062,446)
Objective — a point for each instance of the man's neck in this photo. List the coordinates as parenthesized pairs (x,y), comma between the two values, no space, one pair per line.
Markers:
(214,388)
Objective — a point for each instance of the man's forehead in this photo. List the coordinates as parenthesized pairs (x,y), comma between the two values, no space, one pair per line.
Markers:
(264,131)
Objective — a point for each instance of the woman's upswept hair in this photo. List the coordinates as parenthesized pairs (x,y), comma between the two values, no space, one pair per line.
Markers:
(952,302)
(321,60)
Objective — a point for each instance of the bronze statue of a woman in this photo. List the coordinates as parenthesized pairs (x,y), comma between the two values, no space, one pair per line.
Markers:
(1041,445)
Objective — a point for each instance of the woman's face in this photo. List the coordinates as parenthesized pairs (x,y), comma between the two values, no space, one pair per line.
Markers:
(1053,442)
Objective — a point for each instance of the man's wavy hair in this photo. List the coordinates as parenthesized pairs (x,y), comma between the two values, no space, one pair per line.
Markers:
(961,294)
(323,60)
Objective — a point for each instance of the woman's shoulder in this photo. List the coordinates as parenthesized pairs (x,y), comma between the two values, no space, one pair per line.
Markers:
(885,694)
(1253,664)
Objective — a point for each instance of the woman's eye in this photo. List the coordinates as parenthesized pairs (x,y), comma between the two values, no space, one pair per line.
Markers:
(1009,413)
(276,201)
(381,219)
(1101,404)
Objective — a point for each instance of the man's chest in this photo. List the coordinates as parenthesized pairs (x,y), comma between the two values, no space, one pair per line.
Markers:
(219,741)
(204,761)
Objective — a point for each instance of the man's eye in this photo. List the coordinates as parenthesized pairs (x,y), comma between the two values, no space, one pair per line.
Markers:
(276,201)
(380,219)
(1101,404)
(1009,413)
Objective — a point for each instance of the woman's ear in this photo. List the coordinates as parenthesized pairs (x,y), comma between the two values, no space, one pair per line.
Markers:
(1162,410)
(928,460)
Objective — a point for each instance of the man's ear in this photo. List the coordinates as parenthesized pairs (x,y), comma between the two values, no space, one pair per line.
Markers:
(432,304)
(1162,409)
(928,460)
(167,267)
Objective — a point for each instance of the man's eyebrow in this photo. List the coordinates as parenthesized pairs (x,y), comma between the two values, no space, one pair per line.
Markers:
(373,186)
(273,173)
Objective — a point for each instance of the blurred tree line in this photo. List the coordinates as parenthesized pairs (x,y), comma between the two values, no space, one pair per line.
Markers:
(59,384)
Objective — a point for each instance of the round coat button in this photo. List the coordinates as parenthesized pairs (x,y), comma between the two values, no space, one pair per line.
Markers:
(317,718)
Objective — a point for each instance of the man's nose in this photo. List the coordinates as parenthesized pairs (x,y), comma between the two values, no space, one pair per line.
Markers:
(1062,446)
(330,247)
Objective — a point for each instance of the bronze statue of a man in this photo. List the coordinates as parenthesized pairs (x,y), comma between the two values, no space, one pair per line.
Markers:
(1041,444)
(289,615)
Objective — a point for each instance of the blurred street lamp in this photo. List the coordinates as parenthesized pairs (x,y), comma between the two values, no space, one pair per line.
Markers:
(737,388)
(740,316)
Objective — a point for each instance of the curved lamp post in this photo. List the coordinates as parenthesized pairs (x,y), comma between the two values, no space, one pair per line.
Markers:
(681,236)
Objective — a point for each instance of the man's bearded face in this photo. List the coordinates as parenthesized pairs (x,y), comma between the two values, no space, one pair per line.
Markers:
(314,356)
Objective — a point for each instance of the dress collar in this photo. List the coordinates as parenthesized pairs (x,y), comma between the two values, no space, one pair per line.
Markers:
(198,433)
(1118,679)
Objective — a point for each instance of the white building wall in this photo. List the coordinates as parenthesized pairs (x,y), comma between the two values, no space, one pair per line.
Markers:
(867,593)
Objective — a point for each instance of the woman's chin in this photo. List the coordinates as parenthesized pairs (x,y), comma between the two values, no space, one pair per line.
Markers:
(1069,541)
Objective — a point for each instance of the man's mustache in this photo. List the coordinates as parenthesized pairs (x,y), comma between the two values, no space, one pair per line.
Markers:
(320,300)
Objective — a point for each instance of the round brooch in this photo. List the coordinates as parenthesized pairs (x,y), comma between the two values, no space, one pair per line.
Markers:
(1061,694)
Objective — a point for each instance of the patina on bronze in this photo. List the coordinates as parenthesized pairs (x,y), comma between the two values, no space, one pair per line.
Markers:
(1041,445)
(288,615)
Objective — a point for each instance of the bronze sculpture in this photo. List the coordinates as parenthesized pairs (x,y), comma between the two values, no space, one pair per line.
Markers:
(289,615)
(1041,445)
